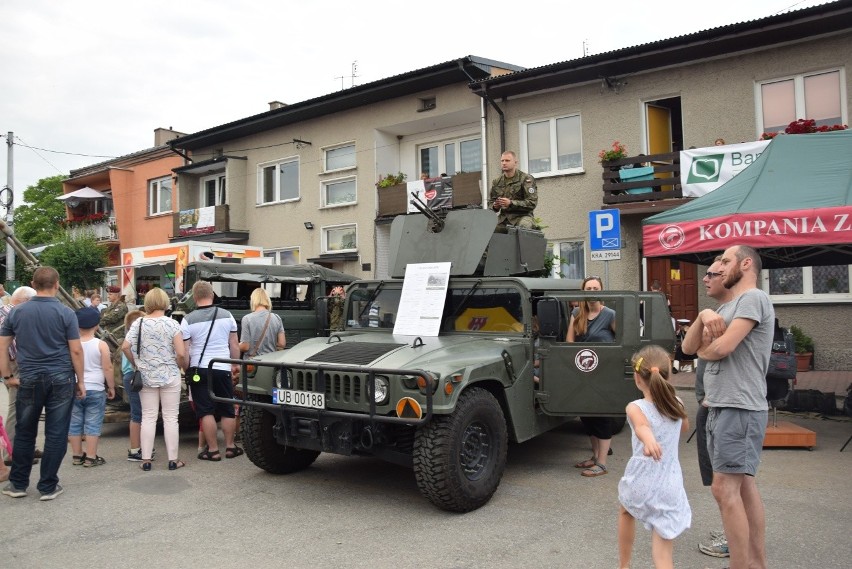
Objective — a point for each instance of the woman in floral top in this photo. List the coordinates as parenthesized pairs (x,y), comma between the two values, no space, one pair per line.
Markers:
(160,358)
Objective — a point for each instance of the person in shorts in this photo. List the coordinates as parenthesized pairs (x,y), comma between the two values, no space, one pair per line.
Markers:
(211,332)
(87,414)
(735,341)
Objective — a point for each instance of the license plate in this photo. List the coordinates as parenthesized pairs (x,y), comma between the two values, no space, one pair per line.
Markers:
(308,399)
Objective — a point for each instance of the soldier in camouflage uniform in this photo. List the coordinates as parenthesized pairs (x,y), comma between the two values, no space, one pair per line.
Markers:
(335,308)
(112,317)
(513,194)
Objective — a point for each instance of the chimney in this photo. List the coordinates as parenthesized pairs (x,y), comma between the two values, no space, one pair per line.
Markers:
(276,105)
(163,135)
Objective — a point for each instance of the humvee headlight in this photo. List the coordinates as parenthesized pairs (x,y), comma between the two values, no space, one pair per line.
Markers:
(382,391)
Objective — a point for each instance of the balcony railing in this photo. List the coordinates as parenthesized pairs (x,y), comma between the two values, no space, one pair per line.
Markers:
(201,221)
(104,230)
(661,183)
(393,200)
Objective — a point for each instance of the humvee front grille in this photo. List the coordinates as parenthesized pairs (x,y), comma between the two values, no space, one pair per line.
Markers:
(340,388)
(352,353)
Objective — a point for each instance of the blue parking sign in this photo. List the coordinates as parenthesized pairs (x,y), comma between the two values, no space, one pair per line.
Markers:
(605,234)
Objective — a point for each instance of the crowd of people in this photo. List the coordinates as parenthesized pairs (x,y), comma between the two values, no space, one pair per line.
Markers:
(52,354)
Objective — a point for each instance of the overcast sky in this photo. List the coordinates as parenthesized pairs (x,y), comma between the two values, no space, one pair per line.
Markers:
(84,81)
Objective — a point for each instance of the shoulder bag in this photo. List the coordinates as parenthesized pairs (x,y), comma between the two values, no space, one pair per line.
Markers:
(192,372)
(250,369)
(136,382)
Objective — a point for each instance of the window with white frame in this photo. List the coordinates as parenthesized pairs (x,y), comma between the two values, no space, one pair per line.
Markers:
(816,96)
(160,195)
(339,239)
(553,146)
(284,256)
(451,157)
(342,191)
(340,157)
(278,181)
(212,190)
(807,284)
(569,260)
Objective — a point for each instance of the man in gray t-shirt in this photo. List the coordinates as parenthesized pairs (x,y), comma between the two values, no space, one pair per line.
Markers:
(736,343)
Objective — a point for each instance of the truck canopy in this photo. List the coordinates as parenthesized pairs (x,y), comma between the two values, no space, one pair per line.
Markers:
(244,272)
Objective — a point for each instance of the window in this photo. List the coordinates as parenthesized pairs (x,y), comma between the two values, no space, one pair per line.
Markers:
(278,182)
(809,96)
(339,239)
(553,146)
(339,192)
(160,196)
(212,190)
(451,157)
(569,260)
(807,284)
(340,157)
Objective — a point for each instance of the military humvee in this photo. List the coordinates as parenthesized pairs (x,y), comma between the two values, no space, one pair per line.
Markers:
(299,293)
(447,405)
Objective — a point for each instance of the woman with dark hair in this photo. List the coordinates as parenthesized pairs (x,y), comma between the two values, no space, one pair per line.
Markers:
(591,321)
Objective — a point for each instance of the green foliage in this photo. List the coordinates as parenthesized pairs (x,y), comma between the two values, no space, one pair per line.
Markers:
(76,259)
(391,180)
(38,221)
(804,343)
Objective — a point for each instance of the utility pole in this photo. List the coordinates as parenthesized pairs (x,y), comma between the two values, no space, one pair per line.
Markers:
(10,207)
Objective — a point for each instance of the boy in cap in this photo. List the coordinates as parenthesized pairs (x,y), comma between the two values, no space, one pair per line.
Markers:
(87,415)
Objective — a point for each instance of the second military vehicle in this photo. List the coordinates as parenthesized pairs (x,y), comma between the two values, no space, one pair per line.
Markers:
(435,367)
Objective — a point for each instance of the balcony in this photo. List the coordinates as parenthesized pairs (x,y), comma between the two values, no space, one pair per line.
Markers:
(103,229)
(393,200)
(658,191)
(206,224)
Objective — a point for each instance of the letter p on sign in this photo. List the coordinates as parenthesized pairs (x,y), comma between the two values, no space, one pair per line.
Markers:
(604,230)
(604,223)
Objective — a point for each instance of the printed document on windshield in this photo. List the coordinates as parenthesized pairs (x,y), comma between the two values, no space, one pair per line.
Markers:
(421,304)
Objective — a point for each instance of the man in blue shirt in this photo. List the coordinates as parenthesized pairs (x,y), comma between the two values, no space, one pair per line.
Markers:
(50,370)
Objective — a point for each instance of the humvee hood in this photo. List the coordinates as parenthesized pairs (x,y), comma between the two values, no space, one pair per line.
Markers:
(353,353)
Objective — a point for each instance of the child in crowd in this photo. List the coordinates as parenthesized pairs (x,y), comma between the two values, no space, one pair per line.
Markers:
(651,489)
(87,415)
(134,454)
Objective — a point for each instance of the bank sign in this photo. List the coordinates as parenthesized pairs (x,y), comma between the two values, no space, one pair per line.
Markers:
(793,228)
(702,170)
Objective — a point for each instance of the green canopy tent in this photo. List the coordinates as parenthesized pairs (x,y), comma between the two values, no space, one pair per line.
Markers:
(793,204)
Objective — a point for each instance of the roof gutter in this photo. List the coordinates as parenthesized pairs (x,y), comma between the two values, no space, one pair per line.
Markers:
(181,154)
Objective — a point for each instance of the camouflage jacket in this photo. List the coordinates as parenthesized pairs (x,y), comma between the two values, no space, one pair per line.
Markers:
(521,189)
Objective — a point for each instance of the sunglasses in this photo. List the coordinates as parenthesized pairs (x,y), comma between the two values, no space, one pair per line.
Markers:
(712,275)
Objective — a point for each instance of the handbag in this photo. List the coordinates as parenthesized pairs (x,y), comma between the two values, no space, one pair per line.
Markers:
(192,371)
(782,360)
(136,382)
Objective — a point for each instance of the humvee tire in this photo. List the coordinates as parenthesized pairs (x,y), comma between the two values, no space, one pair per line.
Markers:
(262,448)
(459,458)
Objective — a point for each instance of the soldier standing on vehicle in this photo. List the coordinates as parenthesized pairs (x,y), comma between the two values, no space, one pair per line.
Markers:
(112,317)
(514,194)
(335,308)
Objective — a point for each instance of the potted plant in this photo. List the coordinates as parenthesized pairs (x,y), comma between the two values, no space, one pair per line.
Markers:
(616,152)
(391,180)
(804,348)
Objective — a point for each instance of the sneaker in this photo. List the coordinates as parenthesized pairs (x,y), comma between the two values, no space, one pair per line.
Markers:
(135,456)
(13,492)
(56,492)
(717,547)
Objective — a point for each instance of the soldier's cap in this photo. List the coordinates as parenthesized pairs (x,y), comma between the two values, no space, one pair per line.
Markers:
(88,317)
(113,288)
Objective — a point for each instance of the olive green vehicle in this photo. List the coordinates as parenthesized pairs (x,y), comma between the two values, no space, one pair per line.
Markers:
(299,293)
(447,405)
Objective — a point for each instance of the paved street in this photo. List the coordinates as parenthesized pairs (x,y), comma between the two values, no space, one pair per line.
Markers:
(345,512)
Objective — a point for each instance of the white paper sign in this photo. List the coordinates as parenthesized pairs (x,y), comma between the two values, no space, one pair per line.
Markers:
(421,304)
(418,188)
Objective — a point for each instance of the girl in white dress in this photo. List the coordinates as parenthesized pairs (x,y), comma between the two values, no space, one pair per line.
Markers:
(651,489)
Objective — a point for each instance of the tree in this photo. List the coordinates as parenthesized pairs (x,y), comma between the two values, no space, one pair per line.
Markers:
(76,259)
(39,220)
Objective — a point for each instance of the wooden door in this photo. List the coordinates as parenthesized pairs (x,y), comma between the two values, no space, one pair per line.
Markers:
(680,283)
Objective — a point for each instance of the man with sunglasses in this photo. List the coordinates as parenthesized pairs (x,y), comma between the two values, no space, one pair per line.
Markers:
(735,342)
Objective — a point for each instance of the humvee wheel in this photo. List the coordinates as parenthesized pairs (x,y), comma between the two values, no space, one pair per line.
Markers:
(459,459)
(262,448)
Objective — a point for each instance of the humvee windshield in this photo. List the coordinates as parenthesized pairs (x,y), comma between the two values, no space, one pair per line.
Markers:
(468,308)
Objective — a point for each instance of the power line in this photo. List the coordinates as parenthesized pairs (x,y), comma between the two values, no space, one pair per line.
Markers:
(51,164)
(62,152)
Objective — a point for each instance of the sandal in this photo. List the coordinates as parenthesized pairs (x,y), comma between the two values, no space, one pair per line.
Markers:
(212,455)
(588,463)
(596,470)
(175,464)
(146,465)
(233,452)
(78,459)
(95,461)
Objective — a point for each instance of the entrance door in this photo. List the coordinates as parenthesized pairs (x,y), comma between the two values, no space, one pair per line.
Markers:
(680,283)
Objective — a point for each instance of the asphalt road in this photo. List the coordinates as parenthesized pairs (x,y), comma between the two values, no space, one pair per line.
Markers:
(357,512)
